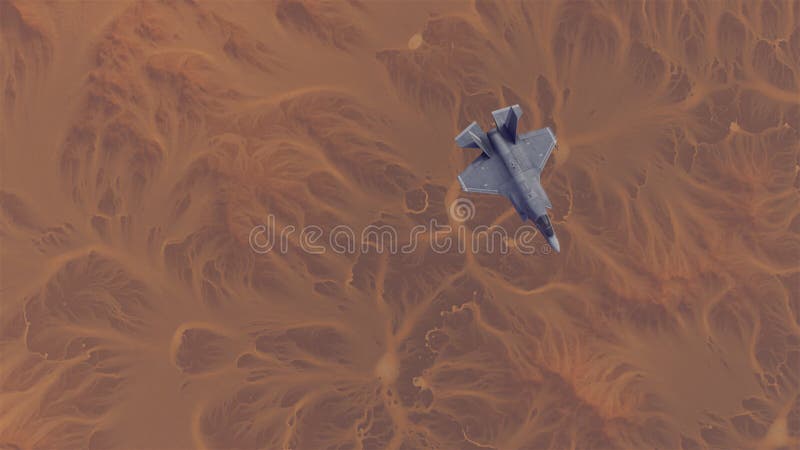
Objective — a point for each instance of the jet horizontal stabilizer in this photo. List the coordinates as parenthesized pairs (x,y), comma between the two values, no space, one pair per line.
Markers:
(474,137)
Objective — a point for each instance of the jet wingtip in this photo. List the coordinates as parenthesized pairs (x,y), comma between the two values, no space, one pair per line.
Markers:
(463,186)
(552,135)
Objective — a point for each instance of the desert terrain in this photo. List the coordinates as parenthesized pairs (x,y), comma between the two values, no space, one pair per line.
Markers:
(142,142)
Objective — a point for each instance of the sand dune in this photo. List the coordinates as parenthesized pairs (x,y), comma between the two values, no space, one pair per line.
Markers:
(142,142)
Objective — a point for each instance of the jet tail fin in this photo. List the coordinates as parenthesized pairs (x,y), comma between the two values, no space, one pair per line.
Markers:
(474,137)
(506,120)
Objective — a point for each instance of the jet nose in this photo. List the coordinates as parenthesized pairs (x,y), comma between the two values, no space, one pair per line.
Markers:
(553,241)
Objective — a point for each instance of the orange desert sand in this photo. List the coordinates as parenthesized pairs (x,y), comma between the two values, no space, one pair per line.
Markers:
(143,141)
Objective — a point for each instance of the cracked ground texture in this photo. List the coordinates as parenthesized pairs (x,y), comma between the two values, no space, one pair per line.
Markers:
(142,141)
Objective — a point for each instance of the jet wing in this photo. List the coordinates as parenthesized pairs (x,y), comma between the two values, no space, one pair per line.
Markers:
(534,148)
(485,175)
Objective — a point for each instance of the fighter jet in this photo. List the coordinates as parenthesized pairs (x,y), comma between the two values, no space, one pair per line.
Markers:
(511,165)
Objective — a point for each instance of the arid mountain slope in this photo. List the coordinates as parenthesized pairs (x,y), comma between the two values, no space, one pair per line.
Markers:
(142,142)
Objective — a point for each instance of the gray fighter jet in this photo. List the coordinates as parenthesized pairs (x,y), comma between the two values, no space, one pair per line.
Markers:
(510,165)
